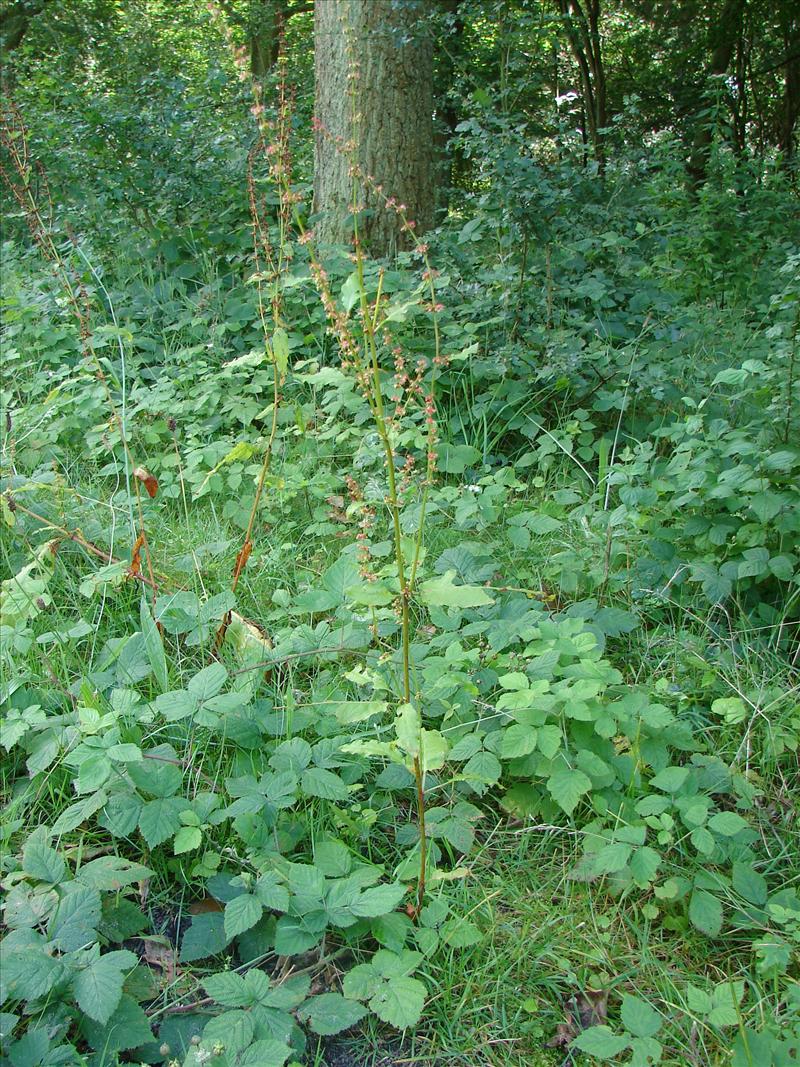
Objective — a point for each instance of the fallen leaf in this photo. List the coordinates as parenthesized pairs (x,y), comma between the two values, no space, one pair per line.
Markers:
(147,479)
(585,1009)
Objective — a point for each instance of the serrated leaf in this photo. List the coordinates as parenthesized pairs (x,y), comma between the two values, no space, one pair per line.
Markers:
(350,711)
(74,922)
(271,893)
(126,1029)
(330,1013)
(72,817)
(153,645)
(612,857)
(460,933)
(705,912)
(111,873)
(187,839)
(268,1052)
(518,740)
(241,913)
(380,900)
(176,705)
(317,782)
(208,682)
(233,1030)
(399,1002)
(280,351)
(42,862)
(444,593)
(566,786)
(639,1017)
(98,987)
(749,883)
(205,937)
(159,819)
(644,865)
(600,1041)
(227,989)
(725,999)
(727,823)
(671,779)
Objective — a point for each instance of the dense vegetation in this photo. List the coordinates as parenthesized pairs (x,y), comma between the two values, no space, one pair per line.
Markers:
(400,651)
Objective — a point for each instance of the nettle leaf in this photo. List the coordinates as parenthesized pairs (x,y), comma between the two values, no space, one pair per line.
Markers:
(566,786)
(331,1013)
(241,913)
(98,987)
(444,593)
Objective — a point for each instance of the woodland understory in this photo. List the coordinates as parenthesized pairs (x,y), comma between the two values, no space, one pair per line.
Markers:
(400,508)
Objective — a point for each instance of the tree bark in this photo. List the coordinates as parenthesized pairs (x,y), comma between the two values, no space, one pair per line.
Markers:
(374,77)
(725,33)
(15,20)
(790,111)
(583,32)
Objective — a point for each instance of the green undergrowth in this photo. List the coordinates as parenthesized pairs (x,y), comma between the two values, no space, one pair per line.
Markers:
(473,737)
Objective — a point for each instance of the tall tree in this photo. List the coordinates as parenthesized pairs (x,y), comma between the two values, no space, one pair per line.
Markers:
(15,19)
(724,33)
(374,77)
(582,27)
(262,22)
(790,110)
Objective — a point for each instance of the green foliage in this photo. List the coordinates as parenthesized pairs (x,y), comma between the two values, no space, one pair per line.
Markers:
(593,589)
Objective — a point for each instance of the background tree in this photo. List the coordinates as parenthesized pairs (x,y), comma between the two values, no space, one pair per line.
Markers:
(582,27)
(374,74)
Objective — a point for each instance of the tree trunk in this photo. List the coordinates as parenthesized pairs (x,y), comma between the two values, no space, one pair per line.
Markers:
(723,37)
(583,32)
(450,161)
(790,111)
(15,20)
(265,20)
(374,77)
